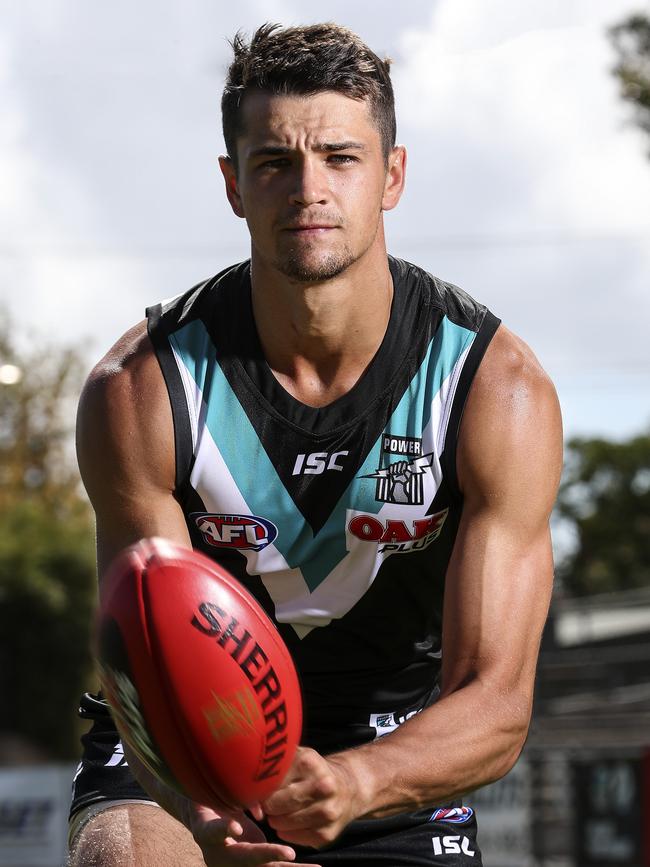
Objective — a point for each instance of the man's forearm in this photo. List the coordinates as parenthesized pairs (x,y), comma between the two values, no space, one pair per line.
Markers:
(468,739)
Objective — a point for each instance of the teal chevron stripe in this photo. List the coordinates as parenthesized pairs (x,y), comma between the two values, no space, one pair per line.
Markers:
(238,443)
(413,412)
(254,473)
(193,344)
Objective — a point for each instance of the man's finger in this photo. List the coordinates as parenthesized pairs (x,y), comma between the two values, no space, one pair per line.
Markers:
(264,854)
(313,816)
(257,812)
(293,797)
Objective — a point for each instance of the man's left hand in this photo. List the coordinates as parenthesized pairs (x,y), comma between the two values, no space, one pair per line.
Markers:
(316,800)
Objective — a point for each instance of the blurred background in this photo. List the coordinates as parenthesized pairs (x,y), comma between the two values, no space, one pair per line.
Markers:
(528,132)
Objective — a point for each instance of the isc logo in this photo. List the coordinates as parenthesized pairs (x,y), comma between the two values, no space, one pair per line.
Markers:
(452,845)
(316,463)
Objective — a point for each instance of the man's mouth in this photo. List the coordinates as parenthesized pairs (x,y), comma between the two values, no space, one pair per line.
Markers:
(309,229)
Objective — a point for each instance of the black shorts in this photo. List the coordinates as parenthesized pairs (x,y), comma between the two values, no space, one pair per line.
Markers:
(407,840)
(102,774)
(428,838)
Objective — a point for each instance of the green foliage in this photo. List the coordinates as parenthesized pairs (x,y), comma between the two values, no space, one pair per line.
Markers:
(37,420)
(47,594)
(631,40)
(605,495)
(47,571)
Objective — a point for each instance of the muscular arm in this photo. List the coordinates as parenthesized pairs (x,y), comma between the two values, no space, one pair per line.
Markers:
(125,448)
(498,588)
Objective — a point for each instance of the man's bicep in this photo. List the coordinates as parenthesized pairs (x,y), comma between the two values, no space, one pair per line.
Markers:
(500,577)
(496,601)
(125,447)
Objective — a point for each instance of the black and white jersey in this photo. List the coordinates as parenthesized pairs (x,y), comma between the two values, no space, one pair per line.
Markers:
(340,520)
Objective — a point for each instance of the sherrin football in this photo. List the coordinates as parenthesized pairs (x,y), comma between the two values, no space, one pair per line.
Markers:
(200,683)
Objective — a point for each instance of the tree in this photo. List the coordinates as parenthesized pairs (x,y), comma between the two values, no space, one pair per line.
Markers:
(631,40)
(37,407)
(605,495)
(47,572)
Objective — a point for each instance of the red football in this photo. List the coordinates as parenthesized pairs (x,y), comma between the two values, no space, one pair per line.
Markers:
(199,681)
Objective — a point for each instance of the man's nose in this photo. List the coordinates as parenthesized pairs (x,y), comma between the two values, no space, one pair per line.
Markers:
(309,183)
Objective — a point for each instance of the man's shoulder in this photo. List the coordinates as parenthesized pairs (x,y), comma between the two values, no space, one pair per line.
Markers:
(124,423)
(511,363)
(124,418)
(510,443)
(198,302)
(512,410)
(455,303)
(127,377)
(129,356)
(132,360)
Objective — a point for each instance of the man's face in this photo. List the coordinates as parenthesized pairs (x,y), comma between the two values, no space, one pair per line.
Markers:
(311,182)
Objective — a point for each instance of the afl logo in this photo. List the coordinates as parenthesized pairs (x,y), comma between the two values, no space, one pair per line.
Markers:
(454,815)
(243,532)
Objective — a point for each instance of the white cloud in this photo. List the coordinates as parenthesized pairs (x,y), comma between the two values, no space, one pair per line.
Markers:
(519,162)
(531,191)
(523,102)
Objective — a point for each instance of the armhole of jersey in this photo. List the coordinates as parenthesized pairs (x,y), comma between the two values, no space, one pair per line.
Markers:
(481,342)
(180,413)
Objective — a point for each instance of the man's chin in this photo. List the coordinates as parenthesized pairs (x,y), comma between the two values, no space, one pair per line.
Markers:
(302,270)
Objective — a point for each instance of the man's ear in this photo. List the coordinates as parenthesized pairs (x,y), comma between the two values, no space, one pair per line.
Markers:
(232,187)
(395,178)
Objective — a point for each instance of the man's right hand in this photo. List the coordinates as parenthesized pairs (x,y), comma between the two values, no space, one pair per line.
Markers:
(234,840)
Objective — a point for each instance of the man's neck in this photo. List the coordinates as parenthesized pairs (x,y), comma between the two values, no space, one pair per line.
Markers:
(318,338)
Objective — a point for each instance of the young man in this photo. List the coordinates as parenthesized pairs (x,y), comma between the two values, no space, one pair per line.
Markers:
(396,447)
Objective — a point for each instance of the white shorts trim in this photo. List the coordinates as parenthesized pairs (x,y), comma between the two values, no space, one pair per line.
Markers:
(83,816)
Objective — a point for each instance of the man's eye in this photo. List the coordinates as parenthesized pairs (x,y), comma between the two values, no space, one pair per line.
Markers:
(278,163)
(342,158)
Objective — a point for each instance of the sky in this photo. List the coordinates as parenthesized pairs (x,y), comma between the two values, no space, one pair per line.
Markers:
(527,183)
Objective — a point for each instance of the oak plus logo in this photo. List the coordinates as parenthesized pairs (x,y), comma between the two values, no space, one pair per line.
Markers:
(395,536)
(402,481)
(243,532)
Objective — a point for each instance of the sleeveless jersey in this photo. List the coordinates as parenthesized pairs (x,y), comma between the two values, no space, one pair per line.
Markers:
(340,520)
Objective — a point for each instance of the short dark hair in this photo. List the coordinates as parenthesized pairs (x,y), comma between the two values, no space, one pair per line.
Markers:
(306,60)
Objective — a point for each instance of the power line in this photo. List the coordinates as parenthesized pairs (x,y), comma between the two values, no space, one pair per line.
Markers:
(439,242)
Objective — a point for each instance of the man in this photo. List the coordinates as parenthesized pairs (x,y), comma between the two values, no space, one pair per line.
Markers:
(398,451)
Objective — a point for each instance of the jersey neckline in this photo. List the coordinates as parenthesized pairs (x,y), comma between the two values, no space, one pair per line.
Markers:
(399,338)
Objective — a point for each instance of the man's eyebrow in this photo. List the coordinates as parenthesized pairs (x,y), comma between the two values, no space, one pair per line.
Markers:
(340,146)
(326,147)
(269,151)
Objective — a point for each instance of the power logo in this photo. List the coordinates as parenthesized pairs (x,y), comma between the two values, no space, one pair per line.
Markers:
(452,844)
(244,532)
(402,481)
